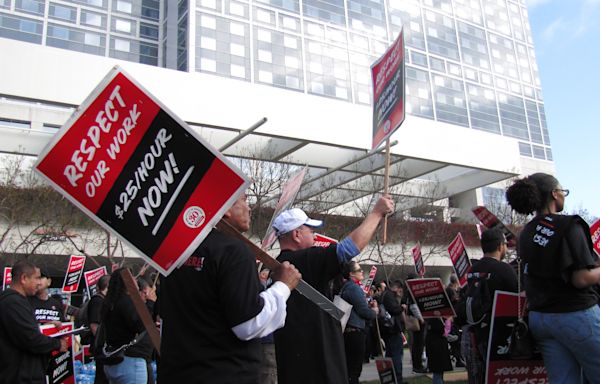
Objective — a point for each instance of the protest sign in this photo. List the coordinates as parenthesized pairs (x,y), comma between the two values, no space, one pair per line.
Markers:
(418,258)
(288,195)
(60,369)
(388,92)
(141,172)
(385,369)
(91,279)
(73,275)
(323,241)
(431,297)
(366,286)
(489,220)
(460,259)
(7,278)
(500,368)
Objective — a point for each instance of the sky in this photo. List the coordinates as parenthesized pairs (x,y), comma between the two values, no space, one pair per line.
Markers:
(566,35)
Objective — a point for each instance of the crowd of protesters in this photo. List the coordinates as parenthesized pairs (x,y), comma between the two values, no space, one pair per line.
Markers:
(223,321)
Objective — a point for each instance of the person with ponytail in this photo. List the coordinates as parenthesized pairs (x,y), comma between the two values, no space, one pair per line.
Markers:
(560,270)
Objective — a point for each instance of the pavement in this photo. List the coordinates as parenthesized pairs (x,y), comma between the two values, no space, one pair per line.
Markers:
(369,372)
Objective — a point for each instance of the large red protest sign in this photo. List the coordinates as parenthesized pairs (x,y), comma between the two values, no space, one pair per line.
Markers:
(418,259)
(388,92)
(73,275)
(141,172)
(91,280)
(500,368)
(460,259)
(7,278)
(489,220)
(430,296)
(288,195)
(60,368)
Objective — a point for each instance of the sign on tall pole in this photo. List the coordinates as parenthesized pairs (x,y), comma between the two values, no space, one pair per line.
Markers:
(418,259)
(388,92)
(460,259)
(141,172)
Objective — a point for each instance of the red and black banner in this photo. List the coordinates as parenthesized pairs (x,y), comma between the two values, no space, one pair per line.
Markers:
(60,369)
(418,259)
(7,278)
(500,368)
(460,259)
(366,286)
(388,92)
(91,280)
(73,275)
(431,297)
(141,172)
(385,369)
(489,220)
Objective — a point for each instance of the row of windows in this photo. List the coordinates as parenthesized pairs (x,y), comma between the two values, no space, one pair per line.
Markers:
(144,9)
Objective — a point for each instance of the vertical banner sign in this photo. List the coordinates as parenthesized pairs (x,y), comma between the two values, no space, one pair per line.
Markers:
(489,220)
(500,368)
(595,233)
(7,278)
(418,258)
(460,259)
(323,241)
(288,195)
(431,297)
(140,172)
(60,369)
(91,280)
(369,281)
(74,272)
(388,92)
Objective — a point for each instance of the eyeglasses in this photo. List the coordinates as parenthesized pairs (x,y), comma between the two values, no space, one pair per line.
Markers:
(565,192)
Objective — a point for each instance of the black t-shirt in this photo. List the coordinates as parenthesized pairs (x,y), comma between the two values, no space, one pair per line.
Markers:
(310,347)
(46,310)
(94,309)
(552,248)
(502,276)
(217,289)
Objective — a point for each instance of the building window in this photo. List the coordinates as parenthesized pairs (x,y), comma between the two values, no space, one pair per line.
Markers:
(12,123)
(124,6)
(93,19)
(58,11)
(122,45)
(30,6)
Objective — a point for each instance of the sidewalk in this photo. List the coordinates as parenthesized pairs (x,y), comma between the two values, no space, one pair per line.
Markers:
(369,372)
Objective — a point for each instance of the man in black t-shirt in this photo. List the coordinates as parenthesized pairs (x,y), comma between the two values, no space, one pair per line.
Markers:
(502,277)
(214,310)
(310,347)
(94,315)
(47,309)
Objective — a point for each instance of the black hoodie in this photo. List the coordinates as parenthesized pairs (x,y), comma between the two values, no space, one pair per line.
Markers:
(24,350)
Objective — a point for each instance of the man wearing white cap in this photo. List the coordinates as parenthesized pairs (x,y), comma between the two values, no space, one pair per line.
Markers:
(310,347)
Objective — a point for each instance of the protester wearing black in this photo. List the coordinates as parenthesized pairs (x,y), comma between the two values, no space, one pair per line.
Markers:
(310,347)
(354,334)
(208,307)
(561,270)
(438,354)
(24,350)
(501,277)
(46,308)
(94,316)
(394,342)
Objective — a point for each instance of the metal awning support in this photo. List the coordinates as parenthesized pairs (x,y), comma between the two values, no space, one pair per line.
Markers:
(243,134)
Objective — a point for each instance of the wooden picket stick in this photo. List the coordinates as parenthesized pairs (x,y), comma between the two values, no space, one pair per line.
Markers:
(140,308)
(386,186)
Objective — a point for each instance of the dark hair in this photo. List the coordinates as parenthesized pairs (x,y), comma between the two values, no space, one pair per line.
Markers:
(397,284)
(349,267)
(491,240)
(142,283)
(22,267)
(103,282)
(116,290)
(532,193)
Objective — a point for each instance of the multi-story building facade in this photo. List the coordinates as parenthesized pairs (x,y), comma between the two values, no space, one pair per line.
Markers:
(471,72)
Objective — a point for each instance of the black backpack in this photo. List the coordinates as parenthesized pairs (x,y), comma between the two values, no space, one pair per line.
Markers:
(475,305)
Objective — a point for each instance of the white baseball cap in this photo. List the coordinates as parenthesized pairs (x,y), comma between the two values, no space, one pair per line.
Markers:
(292,219)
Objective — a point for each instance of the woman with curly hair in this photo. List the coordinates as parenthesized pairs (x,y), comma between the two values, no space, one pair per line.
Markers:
(560,271)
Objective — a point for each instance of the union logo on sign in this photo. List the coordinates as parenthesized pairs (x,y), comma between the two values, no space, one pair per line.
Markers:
(194,217)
